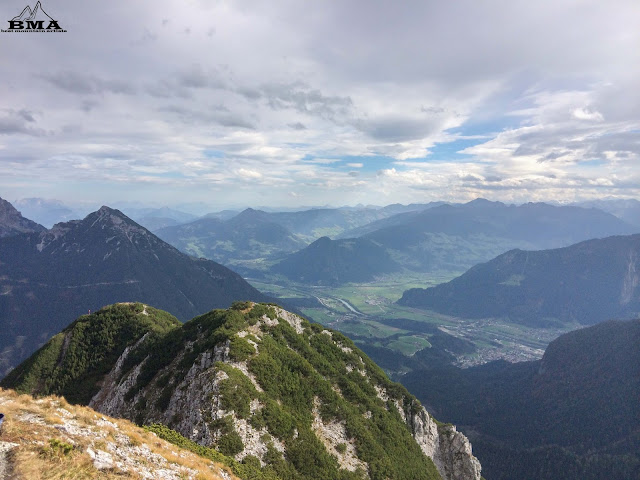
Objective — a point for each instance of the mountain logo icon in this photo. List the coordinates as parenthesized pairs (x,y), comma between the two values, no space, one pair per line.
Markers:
(34,20)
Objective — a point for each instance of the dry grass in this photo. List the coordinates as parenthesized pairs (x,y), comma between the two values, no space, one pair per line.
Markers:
(54,438)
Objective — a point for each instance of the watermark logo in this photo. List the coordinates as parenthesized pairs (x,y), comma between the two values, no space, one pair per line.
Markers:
(33,20)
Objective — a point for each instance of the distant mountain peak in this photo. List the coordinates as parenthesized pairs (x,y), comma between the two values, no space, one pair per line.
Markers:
(112,217)
(483,202)
(12,222)
(334,262)
(104,210)
(252,213)
(7,209)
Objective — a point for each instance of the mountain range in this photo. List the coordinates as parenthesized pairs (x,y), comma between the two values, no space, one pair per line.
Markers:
(277,397)
(456,237)
(572,415)
(252,240)
(51,276)
(248,237)
(156,218)
(258,383)
(433,237)
(589,282)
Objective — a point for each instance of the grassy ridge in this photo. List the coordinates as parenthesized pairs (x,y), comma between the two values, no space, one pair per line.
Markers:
(75,360)
(304,375)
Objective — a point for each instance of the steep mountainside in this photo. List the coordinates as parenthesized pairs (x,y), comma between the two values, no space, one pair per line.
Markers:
(13,223)
(333,262)
(589,282)
(573,415)
(456,237)
(73,362)
(258,383)
(50,277)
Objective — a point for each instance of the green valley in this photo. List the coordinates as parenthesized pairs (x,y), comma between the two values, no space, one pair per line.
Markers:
(368,314)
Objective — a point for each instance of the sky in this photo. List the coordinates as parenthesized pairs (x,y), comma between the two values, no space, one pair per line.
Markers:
(292,103)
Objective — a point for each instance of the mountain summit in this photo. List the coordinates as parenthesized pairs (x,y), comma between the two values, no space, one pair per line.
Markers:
(50,277)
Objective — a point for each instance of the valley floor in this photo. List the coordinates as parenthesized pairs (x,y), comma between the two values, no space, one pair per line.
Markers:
(368,314)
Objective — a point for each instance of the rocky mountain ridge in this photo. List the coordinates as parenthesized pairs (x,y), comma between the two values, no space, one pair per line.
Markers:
(265,386)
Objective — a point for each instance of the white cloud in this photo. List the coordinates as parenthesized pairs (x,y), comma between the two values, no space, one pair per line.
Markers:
(267,98)
(244,173)
(586,114)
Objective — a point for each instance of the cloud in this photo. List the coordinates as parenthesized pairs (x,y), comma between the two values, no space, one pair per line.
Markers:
(219,115)
(249,174)
(523,100)
(196,77)
(397,128)
(75,82)
(19,122)
(301,98)
(586,114)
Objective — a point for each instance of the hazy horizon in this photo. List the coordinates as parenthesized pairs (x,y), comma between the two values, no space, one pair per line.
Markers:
(41,208)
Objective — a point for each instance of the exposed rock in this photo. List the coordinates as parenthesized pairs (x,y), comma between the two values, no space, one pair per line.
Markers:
(5,466)
(449,449)
(294,320)
(101,460)
(333,434)
(46,427)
